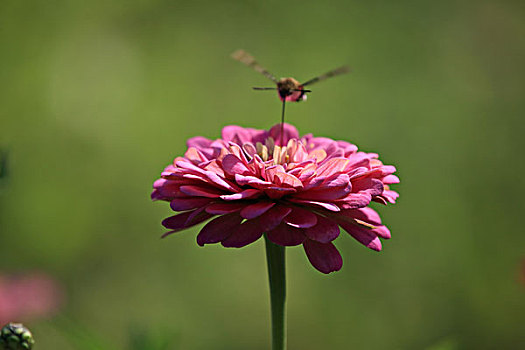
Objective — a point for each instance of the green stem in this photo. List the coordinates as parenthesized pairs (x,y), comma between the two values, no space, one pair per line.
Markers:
(275,257)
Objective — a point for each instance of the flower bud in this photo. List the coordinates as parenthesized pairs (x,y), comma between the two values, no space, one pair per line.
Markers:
(14,336)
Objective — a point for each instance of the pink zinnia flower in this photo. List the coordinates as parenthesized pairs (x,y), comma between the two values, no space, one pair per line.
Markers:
(29,296)
(297,194)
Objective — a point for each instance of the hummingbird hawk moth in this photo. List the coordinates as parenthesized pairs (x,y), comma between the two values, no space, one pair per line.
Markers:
(288,89)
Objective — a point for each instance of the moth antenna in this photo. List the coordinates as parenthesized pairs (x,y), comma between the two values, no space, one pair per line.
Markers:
(247,59)
(303,90)
(264,88)
(332,73)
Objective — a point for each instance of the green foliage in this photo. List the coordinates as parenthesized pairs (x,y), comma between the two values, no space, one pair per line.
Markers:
(445,344)
(151,339)
(140,337)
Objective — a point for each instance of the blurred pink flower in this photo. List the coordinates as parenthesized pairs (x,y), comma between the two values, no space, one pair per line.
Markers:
(28,297)
(298,194)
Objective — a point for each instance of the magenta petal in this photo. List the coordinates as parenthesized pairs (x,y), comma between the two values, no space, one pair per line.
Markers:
(199,191)
(159,183)
(379,199)
(181,204)
(301,218)
(198,142)
(278,192)
(363,235)
(286,235)
(177,221)
(233,165)
(273,217)
(369,185)
(360,159)
(246,194)
(231,132)
(249,148)
(184,164)
(326,194)
(241,135)
(219,229)
(195,215)
(219,181)
(328,206)
(251,181)
(334,184)
(224,208)
(388,170)
(348,147)
(289,132)
(391,196)
(382,231)
(355,200)
(340,180)
(251,230)
(254,210)
(185,220)
(368,215)
(164,235)
(325,231)
(156,195)
(323,256)
(390,179)
(332,166)
(246,233)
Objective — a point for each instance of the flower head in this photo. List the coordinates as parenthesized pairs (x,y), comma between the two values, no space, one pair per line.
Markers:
(28,296)
(297,193)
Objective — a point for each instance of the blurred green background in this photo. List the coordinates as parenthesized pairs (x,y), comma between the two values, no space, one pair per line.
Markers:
(98,96)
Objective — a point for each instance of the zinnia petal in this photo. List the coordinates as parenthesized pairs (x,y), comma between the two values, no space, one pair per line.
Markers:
(286,235)
(355,200)
(324,205)
(233,165)
(251,230)
(181,204)
(219,229)
(363,235)
(323,256)
(289,132)
(199,191)
(324,231)
(246,194)
(224,207)
(301,218)
(246,233)
(254,210)
(181,221)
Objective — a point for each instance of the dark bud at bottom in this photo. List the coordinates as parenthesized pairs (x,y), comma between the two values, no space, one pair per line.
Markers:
(14,336)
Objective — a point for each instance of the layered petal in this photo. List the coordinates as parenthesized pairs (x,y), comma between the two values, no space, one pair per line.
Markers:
(301,218)
(286,235)
(251,230)
(219,229)
(185,220)
(323,256)
(324,231)
(363,235)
